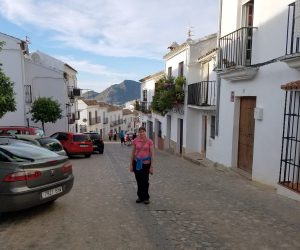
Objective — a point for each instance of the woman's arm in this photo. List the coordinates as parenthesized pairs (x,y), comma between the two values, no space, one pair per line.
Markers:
(151,170)
(131,158)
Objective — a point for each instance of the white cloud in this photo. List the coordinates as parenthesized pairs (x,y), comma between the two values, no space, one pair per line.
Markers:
(113,27)
(90,73)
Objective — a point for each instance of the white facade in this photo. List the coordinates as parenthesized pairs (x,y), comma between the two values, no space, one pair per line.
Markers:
(257,80)
(92,116)
(154,123)
(12,58)
(36,75)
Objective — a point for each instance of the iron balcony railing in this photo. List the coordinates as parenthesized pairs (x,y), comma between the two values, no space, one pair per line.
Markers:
(292,34)
(202,93)
(236,48)
(105,120)
(145,107)
(289,175)
(92,121)
(116,122)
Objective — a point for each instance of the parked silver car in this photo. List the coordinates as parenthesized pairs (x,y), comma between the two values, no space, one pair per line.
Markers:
(31,175)
(45,142)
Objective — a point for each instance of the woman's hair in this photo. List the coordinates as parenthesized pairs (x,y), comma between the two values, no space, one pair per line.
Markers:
(142,129)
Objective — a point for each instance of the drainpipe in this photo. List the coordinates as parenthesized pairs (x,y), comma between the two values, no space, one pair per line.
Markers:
(218,77)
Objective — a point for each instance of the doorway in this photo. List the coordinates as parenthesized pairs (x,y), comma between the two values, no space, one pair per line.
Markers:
(246,133)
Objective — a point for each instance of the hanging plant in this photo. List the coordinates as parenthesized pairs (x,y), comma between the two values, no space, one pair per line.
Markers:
(168,92)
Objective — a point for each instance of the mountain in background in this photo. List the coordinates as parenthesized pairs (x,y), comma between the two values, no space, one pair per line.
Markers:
(117,94)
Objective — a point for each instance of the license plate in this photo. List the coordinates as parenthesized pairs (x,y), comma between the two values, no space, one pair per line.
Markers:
(83,146)
(51,192)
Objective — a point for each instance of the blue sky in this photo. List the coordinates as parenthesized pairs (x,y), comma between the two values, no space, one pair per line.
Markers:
(107,41)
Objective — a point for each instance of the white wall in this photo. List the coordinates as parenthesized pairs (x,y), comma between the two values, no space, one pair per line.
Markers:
(12,60)
(174,61)
(268,132)
(47,82)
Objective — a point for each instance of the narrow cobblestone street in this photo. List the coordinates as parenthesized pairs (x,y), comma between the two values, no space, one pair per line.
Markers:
(192,207)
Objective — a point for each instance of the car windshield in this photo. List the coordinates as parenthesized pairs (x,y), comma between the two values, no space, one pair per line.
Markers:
(78,138)
(19,150)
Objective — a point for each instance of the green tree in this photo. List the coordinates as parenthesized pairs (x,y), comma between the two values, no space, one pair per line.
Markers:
(7,95)
(44,109)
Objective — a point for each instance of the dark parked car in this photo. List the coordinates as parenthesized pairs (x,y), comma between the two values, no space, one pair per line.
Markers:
(98,144)
(31,175)
(75,144)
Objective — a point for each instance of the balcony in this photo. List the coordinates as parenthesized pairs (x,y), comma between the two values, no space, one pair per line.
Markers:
(292,50)
(144,107)
(71,118)
(92,121)
(105,120)
(235,54)
(116,122)
(202,94)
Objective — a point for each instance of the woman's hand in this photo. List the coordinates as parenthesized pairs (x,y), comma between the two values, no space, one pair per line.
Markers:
(151,170)
(131,168)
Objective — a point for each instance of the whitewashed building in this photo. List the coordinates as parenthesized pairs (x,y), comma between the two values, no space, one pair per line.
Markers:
(93,116)
(187,125)
(147,118)
(37,75)
(257,121)
(201,96)
(129,120)
(12,58)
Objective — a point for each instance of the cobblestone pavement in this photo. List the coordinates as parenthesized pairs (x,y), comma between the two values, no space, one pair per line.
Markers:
(192,207)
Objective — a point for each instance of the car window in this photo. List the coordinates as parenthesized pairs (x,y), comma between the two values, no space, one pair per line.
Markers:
(13,131)
(21,150)
(78,138)
(3,158)
(51,144)
(94,136)
(62,137)
(39,132)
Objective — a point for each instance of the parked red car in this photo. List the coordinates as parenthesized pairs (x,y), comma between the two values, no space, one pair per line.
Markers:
(20,130)
(75,144)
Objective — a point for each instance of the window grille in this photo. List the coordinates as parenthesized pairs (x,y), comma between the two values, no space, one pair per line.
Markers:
(28,94)
(289,175)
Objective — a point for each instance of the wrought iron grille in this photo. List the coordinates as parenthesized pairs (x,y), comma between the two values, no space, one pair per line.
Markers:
(289,175)
(202,93)
(28,94)
(236,48)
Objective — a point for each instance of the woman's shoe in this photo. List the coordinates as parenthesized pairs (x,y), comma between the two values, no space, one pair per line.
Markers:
(139,200)
(146,202)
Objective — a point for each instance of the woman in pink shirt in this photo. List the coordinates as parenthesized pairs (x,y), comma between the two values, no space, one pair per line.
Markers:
(142,164)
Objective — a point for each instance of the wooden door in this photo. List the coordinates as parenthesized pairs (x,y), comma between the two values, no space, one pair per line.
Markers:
(246,133)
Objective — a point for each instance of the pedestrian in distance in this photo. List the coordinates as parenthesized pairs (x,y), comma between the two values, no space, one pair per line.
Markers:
(110,135)
(122,137)
(141,163)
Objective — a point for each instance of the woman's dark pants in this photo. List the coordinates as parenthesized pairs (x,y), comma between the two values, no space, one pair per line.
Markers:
(142,179)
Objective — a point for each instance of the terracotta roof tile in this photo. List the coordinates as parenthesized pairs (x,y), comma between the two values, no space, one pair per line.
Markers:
(291,85)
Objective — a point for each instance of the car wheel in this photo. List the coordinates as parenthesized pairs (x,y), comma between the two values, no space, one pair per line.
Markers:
(88,155)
